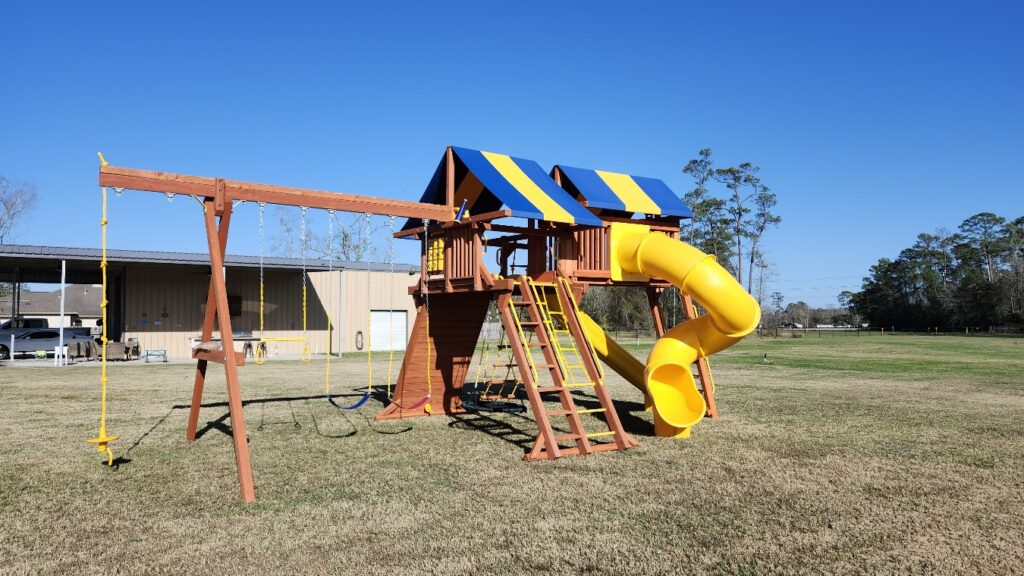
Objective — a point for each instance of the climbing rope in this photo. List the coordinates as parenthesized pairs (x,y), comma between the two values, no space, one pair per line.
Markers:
(481,402)
(102,439)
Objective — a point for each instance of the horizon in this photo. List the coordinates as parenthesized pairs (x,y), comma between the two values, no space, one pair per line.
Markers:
(870,129)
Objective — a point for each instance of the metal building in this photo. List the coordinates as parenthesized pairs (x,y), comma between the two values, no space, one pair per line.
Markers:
(159,298)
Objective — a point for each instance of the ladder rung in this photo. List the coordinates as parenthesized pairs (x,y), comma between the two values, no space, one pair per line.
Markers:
(581,385)
(543,389)
(590,411)
(566,437)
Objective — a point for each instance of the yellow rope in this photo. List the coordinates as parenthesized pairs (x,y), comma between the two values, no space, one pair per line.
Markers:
(103,440)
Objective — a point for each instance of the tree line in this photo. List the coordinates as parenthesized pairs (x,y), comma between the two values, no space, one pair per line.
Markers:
(17,200)
(729,221)
(971,278)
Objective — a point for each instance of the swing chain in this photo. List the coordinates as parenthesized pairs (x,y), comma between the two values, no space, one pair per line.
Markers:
(369,309)
(330,301)
(304,242)
(263,208)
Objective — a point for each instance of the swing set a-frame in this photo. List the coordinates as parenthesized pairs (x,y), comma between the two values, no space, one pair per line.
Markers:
(583,228)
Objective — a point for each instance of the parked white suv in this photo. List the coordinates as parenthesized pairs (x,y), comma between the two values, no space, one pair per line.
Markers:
(31,341)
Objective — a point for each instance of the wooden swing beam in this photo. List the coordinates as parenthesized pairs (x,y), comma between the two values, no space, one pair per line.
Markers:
(218,196)
(214,188)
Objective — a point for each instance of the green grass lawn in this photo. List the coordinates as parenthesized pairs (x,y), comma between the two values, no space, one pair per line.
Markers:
(843,454)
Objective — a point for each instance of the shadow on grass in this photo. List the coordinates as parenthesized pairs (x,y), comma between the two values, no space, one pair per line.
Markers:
(505,428)
(500,429)
(319,432)
(220,424)
(123,459)
(631,423)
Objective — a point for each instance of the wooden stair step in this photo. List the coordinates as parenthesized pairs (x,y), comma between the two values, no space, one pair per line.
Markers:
(575,451)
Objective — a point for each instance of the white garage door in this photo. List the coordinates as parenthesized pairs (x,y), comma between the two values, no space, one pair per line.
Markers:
(387,329)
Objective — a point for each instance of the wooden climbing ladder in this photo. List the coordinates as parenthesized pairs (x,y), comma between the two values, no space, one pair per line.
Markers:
(543,315)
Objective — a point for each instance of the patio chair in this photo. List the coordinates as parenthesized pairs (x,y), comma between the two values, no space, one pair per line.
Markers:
(117,351)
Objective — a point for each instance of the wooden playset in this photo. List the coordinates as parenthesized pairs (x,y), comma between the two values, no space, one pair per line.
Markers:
(575,228)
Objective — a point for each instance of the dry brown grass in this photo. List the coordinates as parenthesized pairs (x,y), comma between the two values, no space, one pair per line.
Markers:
(815,466)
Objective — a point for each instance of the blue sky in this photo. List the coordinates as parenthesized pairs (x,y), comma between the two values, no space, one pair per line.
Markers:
(872,121)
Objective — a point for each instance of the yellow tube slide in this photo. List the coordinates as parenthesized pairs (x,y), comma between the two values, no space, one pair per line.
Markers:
(615,356)
(731,315)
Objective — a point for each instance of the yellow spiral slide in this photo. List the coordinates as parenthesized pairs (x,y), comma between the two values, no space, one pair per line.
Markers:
(667,379)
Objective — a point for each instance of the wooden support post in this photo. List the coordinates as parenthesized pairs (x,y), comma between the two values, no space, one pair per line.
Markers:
(707,383)
(211,309)
(235,409)
(449,178)
(653,297)
(477,257)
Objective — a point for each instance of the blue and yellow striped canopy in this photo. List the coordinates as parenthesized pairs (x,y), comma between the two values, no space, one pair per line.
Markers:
(622,192)
(488,181)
